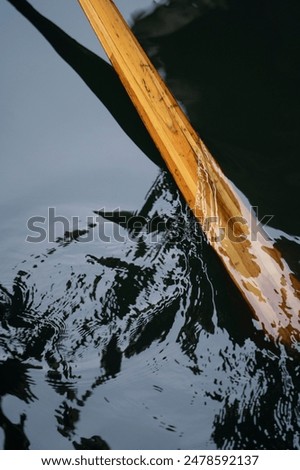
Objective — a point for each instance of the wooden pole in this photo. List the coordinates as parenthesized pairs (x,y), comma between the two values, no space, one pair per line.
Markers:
(254,264)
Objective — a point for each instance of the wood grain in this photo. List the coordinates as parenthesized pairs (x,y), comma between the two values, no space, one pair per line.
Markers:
(256,267)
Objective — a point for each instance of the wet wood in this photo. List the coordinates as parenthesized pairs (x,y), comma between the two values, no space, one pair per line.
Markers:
(256,267)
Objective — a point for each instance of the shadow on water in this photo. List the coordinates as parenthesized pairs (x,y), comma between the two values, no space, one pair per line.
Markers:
(161,291)
(99,76)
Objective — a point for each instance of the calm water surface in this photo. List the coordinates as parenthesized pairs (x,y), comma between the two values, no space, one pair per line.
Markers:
(121,330)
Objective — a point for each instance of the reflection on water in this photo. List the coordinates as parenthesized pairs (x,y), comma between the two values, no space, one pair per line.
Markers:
(15,380)
(96,316)
(144,343)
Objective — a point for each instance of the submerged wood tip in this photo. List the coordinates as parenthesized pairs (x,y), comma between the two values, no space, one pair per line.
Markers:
(256,267)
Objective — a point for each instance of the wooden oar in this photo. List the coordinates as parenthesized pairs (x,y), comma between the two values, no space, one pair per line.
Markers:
(256,267)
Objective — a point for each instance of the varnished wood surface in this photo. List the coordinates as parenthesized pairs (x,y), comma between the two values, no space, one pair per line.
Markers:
(256,267)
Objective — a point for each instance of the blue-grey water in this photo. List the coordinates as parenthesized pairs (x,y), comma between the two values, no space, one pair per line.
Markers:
(119,328)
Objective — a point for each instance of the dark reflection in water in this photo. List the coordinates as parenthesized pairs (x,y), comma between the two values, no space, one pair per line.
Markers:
(14,380)
(94,443)
(160,296)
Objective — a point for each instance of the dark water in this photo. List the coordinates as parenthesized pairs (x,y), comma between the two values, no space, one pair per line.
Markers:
(137,338)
